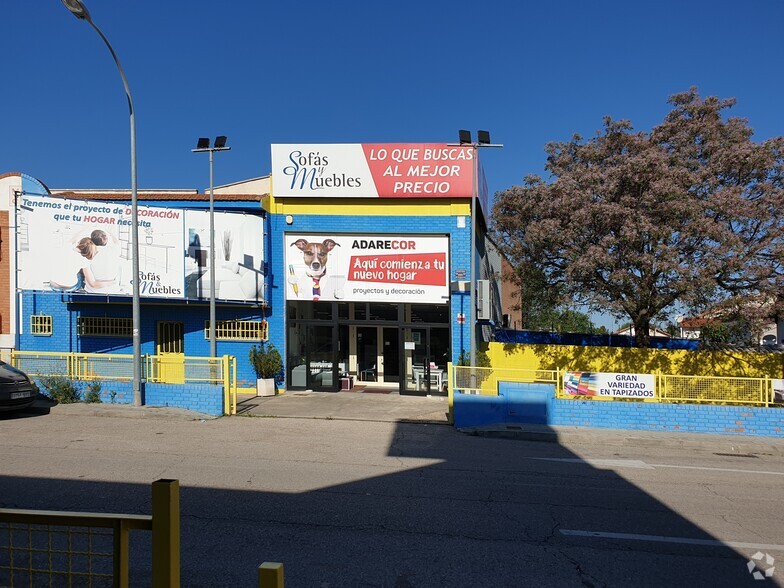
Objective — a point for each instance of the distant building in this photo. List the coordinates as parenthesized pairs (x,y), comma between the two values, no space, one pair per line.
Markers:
(652,332)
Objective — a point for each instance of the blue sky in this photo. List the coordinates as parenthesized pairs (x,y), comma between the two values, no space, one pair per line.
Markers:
(359,71)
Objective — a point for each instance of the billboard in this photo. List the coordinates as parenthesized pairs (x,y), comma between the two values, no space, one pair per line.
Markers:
(610,385)
(367,267)
(394,170)
(84,246)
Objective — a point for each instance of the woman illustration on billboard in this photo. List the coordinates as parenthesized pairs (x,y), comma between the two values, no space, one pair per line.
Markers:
(86,280)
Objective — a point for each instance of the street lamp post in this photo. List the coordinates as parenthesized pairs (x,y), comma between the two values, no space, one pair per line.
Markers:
(482,140)
(79,10)
(219,145)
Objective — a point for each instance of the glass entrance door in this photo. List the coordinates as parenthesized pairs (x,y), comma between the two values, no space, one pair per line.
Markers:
(313,357)
(426,355)
(391,354)
(322,357)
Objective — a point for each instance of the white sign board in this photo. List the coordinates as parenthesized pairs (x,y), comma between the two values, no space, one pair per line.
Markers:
(372,268)
(85,247)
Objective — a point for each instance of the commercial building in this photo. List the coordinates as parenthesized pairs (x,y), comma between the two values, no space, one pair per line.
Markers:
(354,260)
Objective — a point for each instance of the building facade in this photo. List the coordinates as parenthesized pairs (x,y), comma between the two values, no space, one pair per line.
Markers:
(353,260)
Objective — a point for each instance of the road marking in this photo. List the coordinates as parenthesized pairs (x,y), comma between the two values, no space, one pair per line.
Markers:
(602,463)
(683,467)
(641,465)
(680,540)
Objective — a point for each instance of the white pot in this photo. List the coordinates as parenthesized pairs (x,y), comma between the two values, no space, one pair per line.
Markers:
(265,387)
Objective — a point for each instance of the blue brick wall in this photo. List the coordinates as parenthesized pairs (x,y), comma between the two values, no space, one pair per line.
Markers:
(516,402)
(65,309)
(203,398)
(588,340)
(523,406)
(684,418)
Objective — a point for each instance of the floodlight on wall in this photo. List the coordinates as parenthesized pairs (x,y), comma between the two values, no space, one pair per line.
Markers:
(483,140)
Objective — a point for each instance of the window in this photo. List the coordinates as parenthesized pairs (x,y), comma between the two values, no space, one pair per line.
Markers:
(104,326)
(238,330)
(40,324)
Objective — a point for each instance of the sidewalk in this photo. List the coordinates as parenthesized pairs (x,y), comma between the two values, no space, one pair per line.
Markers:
(392,407)
(356,406)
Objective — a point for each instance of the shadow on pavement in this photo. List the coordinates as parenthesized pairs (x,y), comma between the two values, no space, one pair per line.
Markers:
(480,512)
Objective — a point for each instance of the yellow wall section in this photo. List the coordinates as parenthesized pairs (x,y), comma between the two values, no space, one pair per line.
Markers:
(370,206)
(640,361)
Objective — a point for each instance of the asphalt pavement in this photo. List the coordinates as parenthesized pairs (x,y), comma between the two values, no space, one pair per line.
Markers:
(346,496)
(433,410)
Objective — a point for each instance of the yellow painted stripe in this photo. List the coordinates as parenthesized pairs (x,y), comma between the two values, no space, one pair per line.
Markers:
(371,206)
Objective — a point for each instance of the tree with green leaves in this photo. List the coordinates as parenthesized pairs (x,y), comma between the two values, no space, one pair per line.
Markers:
(634,224)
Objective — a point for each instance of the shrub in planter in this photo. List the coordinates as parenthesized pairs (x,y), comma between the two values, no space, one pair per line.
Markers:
(61,389)
(93,394)
(267,363)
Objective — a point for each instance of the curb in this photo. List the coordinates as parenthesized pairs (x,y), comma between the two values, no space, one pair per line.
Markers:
(729,444)
(129,411)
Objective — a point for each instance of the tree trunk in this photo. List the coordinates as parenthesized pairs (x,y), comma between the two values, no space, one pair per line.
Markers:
(642,327)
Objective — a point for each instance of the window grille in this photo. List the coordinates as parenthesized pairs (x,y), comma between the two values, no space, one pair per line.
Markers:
(104,326)
(238,330)
(40,324)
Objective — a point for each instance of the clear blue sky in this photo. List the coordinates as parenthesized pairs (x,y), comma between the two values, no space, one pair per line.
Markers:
(404,71)
(350,72)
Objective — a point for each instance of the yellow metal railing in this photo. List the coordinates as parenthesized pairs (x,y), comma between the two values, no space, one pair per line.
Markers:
(162,369)
(55,548)
(482,380)
(722,390)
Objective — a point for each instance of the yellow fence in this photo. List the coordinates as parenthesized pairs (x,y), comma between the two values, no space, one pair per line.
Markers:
(698,389)
(159,369)
(479,380)
(669,388)
(52,548)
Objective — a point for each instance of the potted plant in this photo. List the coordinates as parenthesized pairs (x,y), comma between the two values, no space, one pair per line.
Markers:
(267,363)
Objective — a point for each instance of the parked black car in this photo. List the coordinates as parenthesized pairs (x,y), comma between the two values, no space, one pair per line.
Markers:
(17,391)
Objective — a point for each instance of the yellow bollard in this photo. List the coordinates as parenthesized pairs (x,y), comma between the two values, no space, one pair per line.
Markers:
(166,534)
(271,575)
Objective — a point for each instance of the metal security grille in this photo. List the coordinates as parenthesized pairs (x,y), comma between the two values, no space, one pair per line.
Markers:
(56,548)
(171,337)
(238,330)
(40,324)
(723,390)
(103,326)
(44,555)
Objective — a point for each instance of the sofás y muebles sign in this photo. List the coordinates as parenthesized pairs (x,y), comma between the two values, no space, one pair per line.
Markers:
(397,170)
(610,385)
